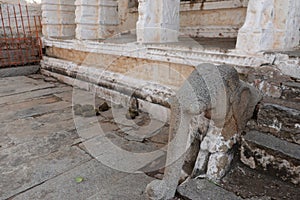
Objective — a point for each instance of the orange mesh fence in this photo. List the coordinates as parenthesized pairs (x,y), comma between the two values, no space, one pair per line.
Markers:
(20,42)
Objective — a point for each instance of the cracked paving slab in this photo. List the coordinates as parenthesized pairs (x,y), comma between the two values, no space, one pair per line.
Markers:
(34,111)
(99,182)
(17,98)
(42,150)
(30,172)
(9,86)
(23,130)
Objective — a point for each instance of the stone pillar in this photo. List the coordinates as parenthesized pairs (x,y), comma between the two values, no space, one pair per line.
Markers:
(96,19)
(87,19)
(270,25)
(158,21)
(58,18)
(109,18)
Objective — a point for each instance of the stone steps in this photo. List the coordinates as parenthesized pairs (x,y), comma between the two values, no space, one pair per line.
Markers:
(256,185)
(277,156)
(282,121)
(240,183)
(272,139)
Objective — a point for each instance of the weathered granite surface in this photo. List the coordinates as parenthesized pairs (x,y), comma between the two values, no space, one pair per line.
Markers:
(42,153)
(202,189)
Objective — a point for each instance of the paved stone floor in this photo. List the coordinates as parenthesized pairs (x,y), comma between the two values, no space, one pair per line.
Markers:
(50,150)
(46,152)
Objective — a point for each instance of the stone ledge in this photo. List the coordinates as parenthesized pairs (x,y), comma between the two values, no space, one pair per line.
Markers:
(187,51)
(201,189)
(19,71)
(268,153)
(197,6)
(274,143)
(147,91)
(194,6)
(281,121)
(158,111)
(282,102)
(210,31)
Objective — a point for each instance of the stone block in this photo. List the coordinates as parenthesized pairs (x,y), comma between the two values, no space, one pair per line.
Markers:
(269,153)
(280,121)
(201,189)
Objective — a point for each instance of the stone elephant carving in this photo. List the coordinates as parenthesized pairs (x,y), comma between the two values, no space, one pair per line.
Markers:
(214,101)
